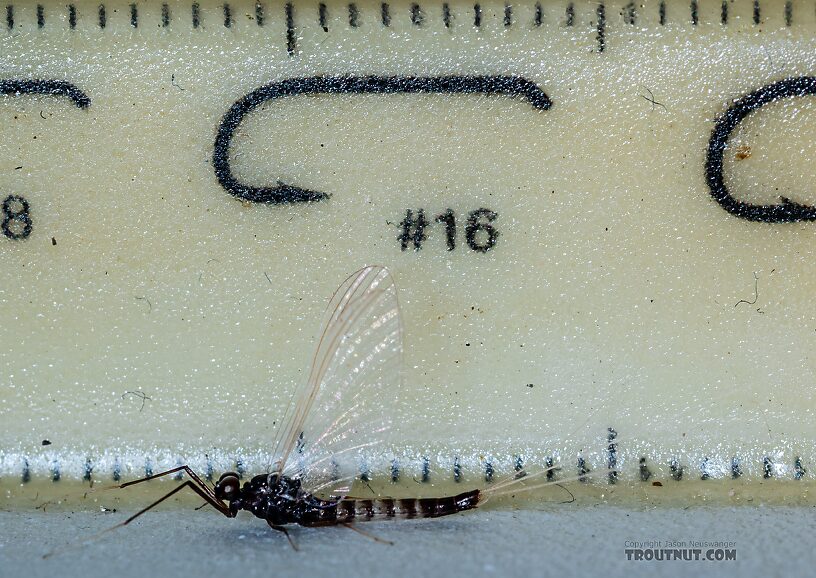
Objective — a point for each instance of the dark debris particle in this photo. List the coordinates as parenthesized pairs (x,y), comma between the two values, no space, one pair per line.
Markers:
(46,442)
(54,241)
(657,484)
(530,385)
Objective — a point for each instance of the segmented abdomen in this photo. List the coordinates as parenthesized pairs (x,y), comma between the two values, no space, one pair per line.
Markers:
(385,508)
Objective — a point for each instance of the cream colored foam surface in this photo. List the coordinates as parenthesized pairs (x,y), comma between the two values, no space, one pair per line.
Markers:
(618,293)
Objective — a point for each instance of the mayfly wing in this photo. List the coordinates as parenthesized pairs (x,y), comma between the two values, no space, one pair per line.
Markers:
(342,412)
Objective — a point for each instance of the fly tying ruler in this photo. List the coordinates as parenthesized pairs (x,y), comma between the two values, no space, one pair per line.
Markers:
(599,218)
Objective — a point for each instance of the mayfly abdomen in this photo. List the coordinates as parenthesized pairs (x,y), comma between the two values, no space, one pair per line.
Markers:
(407,508)
(436,507)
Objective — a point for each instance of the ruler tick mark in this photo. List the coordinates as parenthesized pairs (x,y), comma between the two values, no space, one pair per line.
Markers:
(767,468)
(643,470)
(195,14)
(724,12)
(676,470)
(395,471)
(227,16)
(353,15)
(103,16)
(209,471)
(259,14)
(508,15)
(582,469)
(757,18)
(539,15)
(446,15)
(630,14)
(40,16)
(788,13)
(165,15)
(477,15)
(662,12)
(385,14)
(291,40)
(10,17)
(489,470)
(365,473)
(570,14)
(417,16)
(87,475)
(705,469)
(798,469)
(134,16)
(549,465)
(322,16)
(72,16)
(736,468)
(180,474)
(695,13)
(601,13)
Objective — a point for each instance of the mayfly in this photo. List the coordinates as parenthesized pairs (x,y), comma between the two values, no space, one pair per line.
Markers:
(337,413)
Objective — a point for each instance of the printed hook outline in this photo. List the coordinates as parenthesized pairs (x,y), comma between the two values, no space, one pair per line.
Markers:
(285,193)
(785,212)
(17,87)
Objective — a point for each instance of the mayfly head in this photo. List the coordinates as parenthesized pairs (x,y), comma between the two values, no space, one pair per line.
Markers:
(228,487)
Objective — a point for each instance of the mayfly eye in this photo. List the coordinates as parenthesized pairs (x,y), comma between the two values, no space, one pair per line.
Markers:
(227,486)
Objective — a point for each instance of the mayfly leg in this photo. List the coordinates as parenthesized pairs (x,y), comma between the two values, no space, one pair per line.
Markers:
(194,483)
(351,526)
(283,529)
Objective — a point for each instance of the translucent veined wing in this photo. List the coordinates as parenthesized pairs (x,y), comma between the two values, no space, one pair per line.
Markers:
(343,411)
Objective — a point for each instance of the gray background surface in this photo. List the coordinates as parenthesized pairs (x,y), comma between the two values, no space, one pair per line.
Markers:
(584,541)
